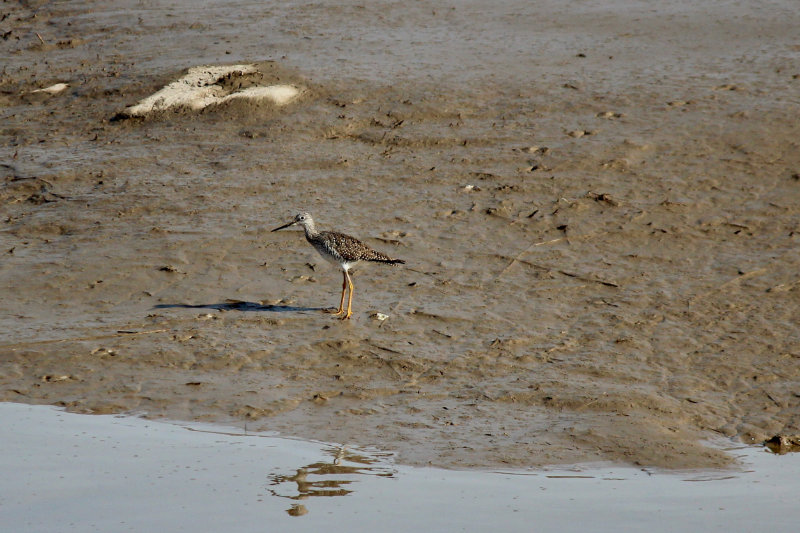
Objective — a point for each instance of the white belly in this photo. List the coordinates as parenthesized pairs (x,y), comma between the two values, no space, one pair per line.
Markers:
(335,260)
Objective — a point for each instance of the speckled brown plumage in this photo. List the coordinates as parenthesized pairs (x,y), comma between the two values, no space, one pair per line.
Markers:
(346,249)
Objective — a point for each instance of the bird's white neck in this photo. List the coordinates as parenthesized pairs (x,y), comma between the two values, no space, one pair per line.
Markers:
(308,227)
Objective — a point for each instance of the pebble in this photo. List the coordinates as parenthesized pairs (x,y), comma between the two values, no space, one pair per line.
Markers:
(52,379)
(609,114)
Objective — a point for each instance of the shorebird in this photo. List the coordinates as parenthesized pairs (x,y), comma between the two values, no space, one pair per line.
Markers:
(342,250)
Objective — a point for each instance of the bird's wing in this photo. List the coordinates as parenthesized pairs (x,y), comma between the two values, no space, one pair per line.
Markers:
(351,249)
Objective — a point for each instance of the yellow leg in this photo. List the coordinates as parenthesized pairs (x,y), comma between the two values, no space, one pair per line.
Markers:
(350,299)
(341,303)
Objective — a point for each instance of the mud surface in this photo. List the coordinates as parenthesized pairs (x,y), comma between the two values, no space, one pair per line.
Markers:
(599,206)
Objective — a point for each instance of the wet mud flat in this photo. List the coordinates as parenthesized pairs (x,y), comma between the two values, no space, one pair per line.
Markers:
(600,221)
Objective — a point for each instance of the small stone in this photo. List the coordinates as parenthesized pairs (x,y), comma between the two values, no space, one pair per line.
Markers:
(539,150)
(297,510)
(53,379)
(319,398)
(782,444)
(603,197)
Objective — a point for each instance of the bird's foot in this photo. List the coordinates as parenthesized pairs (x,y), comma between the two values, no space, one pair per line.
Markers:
(334,312)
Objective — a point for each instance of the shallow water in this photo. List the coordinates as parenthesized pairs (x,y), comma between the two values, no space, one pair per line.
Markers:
(69,472)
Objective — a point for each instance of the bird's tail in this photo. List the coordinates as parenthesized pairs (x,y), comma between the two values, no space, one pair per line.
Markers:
(379,257)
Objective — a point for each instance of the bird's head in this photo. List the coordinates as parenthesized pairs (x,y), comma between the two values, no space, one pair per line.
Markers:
(304,219)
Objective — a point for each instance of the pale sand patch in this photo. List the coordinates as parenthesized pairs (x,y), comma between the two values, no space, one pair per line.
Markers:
(200,88)
(53,89)
(279,94)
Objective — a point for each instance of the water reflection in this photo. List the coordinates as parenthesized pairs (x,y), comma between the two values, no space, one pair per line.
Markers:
(334,477)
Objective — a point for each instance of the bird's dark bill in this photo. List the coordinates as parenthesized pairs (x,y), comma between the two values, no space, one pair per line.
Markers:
(284,226)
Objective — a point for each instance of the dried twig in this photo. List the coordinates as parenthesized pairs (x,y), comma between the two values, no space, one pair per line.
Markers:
(738,279)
